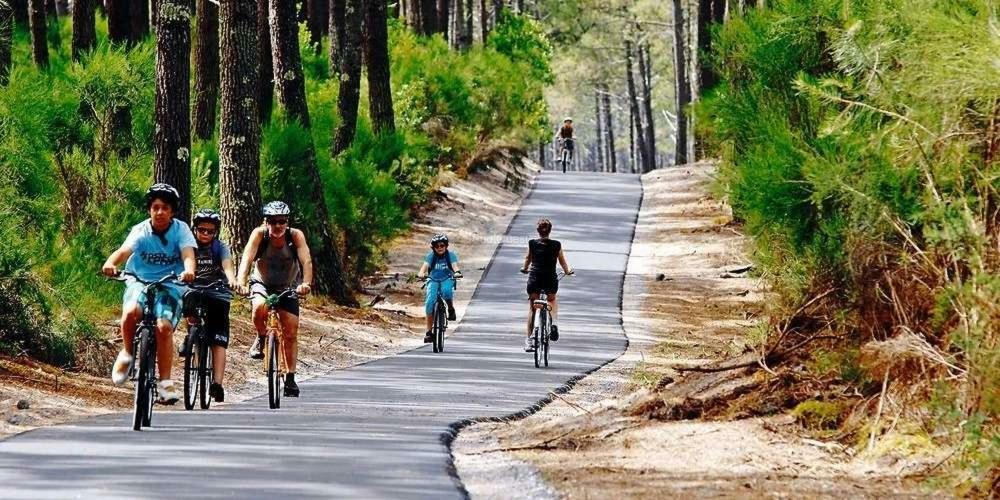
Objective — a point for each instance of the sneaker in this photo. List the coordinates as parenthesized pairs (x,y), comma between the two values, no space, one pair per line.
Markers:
(167,392)
(119,372)
(291,388)
(185,347)
(257,349)
(217,392)
(451,312)
(428,338)
(554,333)
(529,344)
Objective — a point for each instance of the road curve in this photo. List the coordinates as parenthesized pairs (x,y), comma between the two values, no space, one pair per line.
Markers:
(376,430)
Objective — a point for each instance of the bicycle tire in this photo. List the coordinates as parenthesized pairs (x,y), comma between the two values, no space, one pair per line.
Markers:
(545,345)
(442,325)
(150,380)
(141,405)
(537,341)
(273,377)
(190,370)
(204,372)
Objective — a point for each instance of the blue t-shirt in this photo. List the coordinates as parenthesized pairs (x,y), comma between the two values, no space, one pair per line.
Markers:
(153,258)
(439,270)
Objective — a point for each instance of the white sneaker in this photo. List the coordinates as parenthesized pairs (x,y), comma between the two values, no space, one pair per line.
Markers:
(168,394)
(529,344)
(119,372)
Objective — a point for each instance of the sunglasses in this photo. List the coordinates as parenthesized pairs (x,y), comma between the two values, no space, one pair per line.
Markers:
(440,245)
(206,230)
(277,222)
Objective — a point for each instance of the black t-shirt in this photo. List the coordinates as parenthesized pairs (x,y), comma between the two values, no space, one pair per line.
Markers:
(544,254)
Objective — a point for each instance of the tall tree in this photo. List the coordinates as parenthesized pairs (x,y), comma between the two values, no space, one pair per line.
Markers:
(377,57)
(484,20)
(206,69)
(682,83)
(291,91)
(633,100)
(645,72)
(119,25)
(350,78)
(599,135)
(239,127)
(428,17)
(139,14)
(265,80)
(632,147)
(20,8)
(84,32)
(318,12)
(443,17)
(337,33)
(172,134)
(39,44)
(609,129)
(6,40)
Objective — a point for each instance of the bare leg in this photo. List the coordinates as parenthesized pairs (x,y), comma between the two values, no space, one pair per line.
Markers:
(218,363)
(164,347)
(130,319)
(553,307)
(289,340)
(531,311)
(260,316)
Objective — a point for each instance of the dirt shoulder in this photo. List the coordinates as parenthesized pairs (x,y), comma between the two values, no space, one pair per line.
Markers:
(623,431)
(475,212)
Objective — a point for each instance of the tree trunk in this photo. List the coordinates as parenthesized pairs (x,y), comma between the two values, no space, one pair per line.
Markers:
(377,55)
(645,71)
(706,14)
(484,21)
(84,32)
(172,134)
(206,69)
(720,10)
(318,16)
(291,92)
(428,17)
(265,78)
(442,17)
(239,128)
(20,8)
(682,83)
(337,34)
(50,9)
(631,140)
(633,99)
(412,15)
(599,134)
(609,128)
(62,7)
(6,40)
(39,43)
(119,25)
(350,79)
(139,14)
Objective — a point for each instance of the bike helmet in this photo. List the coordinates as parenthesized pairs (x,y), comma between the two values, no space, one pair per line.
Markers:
(567,119)
(439,238)
(207,215)
(276,208)
(165,192)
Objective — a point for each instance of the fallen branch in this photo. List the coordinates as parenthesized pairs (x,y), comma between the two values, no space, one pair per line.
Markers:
(544,445)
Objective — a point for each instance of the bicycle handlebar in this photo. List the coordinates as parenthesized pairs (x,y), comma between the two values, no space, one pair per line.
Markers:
(211,286)
(428,279)
(288,292)
(125,275)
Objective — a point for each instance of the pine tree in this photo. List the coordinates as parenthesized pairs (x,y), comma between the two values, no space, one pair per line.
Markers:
(206,66)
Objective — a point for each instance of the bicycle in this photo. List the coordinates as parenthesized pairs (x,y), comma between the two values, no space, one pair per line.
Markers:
(440,313)
(565,154)
(198,374)
(144,350)
(542,326)
(272,351)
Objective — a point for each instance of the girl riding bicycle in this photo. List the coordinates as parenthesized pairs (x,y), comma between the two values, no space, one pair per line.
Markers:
(442,264)
(540,266)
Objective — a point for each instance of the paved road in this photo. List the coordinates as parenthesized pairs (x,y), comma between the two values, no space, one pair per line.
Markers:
(376,430)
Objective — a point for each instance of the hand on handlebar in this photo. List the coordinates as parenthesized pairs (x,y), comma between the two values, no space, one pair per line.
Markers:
(186,276)
(109,270)
(303,289)
(524,271)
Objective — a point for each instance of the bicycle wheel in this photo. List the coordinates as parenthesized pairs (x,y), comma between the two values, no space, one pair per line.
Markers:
(545,345)
(435,327)
(141,389)
(204,372)
(538,337)
(565,159)
(191,369)
(150,379)
(273,376)
(442,324)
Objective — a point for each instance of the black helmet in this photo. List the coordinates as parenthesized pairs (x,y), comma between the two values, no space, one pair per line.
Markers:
(207,215)
(276,208)
(439,238)
(165,192)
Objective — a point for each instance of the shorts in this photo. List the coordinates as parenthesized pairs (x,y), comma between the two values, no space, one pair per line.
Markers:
(447,288)
(287,304)
(216,320)
(547,283)
(166,306)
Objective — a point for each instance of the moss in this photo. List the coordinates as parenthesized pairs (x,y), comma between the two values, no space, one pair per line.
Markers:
(819,415)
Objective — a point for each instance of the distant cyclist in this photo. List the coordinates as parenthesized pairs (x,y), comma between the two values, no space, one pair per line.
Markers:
(215,263)
(442,264)
(566,137)
(280,258)
(540,266)
(154,248)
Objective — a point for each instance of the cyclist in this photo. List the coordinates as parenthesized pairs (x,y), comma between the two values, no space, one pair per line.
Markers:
(540,266)
(442,264)
(280,260)
(566,137)
(214,263)
(154,248)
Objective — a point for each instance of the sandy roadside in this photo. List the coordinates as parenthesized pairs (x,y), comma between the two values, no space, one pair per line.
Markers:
(677,309)
(474,212)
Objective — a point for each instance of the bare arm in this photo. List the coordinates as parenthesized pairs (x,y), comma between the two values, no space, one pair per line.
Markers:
(247,259)
(110,267)
(562,262)
(422,273)
(187,254)
(527,261)
(227,267)
(302,248)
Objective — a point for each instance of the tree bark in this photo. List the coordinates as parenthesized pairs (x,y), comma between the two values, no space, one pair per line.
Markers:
(20,8)
(6,40)
(206,70)
(412,14)
(377,55)
(350,79)
(39,43)
(119,25)
(337,34)
(428,17)
(645,71)
(239,127)
(172,134)
(484,21)
(682,84)
(290,87)
(62,7)
(265,79)
(139,14)
(84,32)
(442,17)
(633,99)
(318,17)
(599,135)
(609,128)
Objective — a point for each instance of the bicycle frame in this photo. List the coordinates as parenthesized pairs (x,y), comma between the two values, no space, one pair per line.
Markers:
(440,318)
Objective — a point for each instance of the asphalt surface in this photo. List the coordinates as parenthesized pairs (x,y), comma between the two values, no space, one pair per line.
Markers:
(377,430)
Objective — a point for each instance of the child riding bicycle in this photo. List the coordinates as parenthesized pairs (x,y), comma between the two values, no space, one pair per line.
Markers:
(442,264)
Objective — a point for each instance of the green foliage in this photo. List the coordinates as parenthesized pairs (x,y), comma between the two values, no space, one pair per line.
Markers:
(819,415)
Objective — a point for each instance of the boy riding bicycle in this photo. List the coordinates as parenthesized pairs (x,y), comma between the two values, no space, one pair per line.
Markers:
(155,248)
(442,264)
(540,266)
